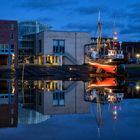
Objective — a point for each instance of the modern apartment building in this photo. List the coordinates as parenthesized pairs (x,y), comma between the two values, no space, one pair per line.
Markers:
(39,45)
(28,31)
(8,43)
(61,47)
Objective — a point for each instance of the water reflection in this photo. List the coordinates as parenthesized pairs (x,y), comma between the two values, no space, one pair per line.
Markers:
(36,101)
(8,103)
(107,95)
(51,98)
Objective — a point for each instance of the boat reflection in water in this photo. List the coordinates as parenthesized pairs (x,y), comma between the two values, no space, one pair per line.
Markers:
(32,102)
(107,95)
(108,90)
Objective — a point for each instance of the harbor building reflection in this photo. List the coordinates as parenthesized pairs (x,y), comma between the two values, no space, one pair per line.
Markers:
(51,98)
(8,103)
(33,102)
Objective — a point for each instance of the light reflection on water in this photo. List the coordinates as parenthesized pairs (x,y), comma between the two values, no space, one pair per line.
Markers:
(105,100)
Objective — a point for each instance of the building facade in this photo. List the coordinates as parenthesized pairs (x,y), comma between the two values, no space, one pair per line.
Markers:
(61,48)
(132,48)
(8,43)
(28,31)
(52,97)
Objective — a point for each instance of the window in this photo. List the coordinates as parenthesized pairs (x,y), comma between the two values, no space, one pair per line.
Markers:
(40,46)
(12,111)
(12,36)
(12,47)
(12,121)
(59,46)
(12,26)
(55,42)
(39,99)
(61,43)
(58,99)
(3,48)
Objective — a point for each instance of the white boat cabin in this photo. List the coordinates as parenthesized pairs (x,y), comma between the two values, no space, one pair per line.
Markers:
(115,53)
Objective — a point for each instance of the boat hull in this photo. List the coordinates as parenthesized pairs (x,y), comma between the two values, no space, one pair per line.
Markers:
(108,65)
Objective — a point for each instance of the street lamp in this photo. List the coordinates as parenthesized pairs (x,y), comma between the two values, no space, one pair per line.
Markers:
(137,55)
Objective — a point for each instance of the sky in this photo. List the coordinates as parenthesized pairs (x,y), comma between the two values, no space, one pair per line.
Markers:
(79,15)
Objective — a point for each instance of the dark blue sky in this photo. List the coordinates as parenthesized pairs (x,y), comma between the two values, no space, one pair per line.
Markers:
(78,15)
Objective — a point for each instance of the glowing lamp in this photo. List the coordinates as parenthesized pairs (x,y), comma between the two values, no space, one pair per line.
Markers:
(115,38)
(115,117)
(115,112)
(137,55)
(115,43)
(137,87)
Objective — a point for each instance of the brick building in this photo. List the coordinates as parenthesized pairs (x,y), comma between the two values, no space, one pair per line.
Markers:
(8,43)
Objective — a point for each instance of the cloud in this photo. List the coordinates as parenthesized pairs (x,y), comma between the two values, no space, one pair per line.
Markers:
(131,29)
(118,13)
(135,27)
(135,6)
(46,4)
(135,16)
(44,19)
(134,12)
(80,26)
(110,25)
(88,10)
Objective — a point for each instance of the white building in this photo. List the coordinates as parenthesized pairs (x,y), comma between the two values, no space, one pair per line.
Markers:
(61,48)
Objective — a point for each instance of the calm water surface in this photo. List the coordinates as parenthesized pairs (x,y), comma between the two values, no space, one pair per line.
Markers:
(100,108)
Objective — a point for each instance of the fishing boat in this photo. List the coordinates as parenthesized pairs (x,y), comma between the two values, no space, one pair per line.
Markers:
(106,56)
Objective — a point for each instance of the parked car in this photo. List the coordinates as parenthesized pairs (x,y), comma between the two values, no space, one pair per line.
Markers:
(132,60)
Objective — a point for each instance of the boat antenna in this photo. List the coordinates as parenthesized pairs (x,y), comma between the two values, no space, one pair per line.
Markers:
(115,34)
(114,26)
(99,16)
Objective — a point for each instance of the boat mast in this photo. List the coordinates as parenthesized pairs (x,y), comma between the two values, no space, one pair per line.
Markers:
(99,33)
